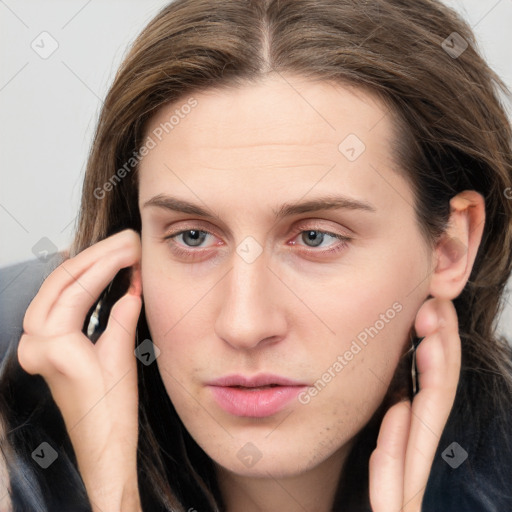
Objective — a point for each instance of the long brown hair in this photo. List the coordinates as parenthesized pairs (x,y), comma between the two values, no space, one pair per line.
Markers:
(452,135)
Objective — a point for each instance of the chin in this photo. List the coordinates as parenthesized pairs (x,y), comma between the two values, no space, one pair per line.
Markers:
(273,466)
(263,458)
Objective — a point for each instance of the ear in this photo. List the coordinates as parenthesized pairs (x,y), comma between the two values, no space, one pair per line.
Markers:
(456,251)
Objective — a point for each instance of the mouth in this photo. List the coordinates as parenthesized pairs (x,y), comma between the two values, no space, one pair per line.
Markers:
(255,388)
(255,397)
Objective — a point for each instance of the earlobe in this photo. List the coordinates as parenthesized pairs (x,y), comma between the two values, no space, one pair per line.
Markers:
(456,251)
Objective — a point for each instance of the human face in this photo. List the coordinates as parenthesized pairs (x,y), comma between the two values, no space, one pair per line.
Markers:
(248,293)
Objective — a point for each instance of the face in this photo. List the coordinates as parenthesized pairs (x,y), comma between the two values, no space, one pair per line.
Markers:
(282,268)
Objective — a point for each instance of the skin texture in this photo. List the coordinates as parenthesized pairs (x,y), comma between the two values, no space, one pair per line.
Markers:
(285,309)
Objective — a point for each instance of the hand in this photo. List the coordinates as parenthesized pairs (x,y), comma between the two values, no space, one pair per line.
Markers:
(94,385)
(409,435)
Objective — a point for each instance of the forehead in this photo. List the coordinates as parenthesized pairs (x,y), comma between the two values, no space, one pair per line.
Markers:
(285,132)
(277,110)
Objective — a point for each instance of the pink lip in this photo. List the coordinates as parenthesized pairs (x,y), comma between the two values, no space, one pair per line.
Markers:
(245,396)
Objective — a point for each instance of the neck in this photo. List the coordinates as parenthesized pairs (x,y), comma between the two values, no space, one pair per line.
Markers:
(313,490)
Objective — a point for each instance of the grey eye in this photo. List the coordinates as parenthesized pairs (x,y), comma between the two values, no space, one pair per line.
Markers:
(193,237)
(313,238)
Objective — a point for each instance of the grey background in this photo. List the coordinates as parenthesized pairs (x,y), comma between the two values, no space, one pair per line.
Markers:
(49,106)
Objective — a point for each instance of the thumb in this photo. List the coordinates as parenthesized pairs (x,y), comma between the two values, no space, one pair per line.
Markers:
(116,344)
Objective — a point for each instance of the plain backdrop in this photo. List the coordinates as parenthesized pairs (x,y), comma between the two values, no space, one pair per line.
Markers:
(49,104)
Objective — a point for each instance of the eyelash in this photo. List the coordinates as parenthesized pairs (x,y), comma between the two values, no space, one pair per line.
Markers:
(193,253)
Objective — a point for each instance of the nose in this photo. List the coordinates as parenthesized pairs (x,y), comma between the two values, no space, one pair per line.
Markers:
(251,313)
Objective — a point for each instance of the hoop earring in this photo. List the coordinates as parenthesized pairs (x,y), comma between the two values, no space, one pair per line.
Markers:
(414,368)
(94,320)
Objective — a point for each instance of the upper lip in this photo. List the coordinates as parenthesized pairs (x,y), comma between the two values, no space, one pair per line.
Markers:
(264,379)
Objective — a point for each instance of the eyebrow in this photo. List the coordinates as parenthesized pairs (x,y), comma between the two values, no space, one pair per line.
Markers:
(329,202)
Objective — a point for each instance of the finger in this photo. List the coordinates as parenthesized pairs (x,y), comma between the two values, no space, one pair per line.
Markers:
(388,459)
(70,309)
(116,345)
(438,363)
(71,356)
(438,318)
(69,292)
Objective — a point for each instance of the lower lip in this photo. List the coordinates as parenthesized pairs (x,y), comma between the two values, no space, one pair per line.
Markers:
(255,403)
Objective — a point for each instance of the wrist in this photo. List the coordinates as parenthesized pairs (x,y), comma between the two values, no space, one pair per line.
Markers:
(114,494)
(128,500)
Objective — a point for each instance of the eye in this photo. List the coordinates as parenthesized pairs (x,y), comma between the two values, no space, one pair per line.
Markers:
(315,238)
(188,243)
(191,237)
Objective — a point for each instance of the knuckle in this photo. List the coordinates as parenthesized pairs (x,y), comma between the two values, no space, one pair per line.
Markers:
(59,358)
(47,356)
(65,356)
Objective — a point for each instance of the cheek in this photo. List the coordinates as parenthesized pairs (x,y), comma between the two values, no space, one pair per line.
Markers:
(369,298)
(371,311)
(173,306)
(158,302)
(167,296)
